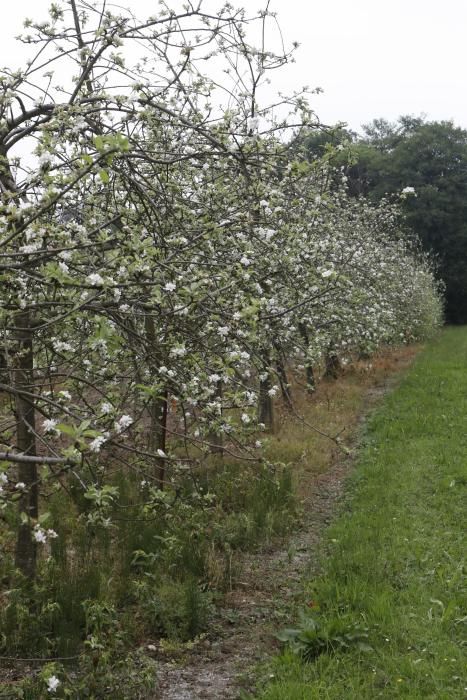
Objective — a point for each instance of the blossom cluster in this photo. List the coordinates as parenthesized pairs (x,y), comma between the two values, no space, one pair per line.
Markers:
(168,263)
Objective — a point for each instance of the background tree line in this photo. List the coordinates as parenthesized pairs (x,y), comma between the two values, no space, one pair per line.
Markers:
(429,156)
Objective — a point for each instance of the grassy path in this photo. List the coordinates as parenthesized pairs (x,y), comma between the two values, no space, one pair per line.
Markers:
(394,570)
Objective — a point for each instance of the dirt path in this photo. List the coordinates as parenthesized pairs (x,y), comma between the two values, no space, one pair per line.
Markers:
(269,584)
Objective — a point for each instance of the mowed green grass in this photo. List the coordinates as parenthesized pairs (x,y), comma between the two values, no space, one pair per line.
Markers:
(395,556)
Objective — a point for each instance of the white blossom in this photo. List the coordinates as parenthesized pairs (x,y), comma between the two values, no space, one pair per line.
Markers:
(252,124)
(124,422)
(39,535)
(49,426)
(52,684)
(46,159)
(96,444)
(61,345)
(95,279)
(30,248)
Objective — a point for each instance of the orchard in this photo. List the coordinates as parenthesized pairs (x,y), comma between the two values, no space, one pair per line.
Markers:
(169,260)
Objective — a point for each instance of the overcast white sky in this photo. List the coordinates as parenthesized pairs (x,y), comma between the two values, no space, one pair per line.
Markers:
(373,58)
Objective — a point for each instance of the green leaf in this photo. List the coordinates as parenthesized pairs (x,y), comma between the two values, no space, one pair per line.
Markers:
(45,518)
(67,429)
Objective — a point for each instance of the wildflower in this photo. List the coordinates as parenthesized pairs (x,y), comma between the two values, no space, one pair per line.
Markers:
(245,418)
(20,485)
(170,286)
(326,273)
(106,408)
(52,684)
(39,535)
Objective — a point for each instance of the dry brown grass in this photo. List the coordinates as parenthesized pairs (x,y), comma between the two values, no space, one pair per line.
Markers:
(334,409)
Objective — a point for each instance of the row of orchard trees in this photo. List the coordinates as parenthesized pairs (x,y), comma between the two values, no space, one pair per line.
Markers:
(160,251)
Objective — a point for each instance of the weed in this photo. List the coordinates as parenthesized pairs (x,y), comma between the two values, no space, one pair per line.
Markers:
(314,637)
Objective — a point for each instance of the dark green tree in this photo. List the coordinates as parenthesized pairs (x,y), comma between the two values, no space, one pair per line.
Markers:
(431,157)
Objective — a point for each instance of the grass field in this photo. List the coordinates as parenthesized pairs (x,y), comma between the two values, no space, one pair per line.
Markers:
(387,614)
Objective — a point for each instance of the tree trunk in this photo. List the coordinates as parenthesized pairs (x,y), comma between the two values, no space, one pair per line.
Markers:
(266,406)
(23,380)
(158,433)
(158,408)
(310,379)
(283,381)
(216,439)
(310,375)
(332,365)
